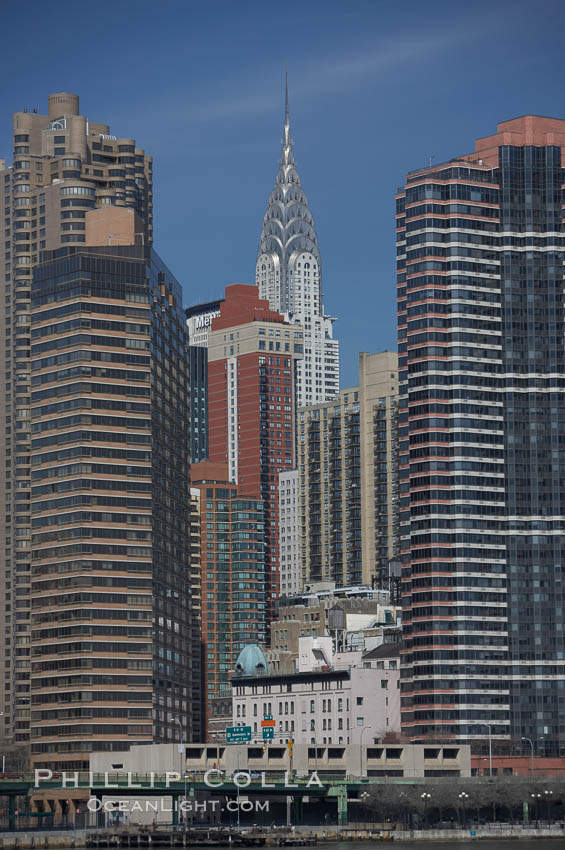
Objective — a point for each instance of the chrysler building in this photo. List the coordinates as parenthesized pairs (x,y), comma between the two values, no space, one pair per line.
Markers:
(289,275)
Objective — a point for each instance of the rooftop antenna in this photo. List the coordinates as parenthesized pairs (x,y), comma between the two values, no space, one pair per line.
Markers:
(431,159)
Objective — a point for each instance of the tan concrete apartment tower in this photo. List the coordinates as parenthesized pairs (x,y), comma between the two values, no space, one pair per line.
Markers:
(347,506)
(64,166)
(115,653)
(378,394)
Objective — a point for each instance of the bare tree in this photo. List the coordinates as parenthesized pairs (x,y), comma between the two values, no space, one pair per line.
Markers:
(16,757)
(454,799)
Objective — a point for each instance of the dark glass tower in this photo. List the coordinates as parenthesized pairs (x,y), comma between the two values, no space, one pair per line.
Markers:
(113,645)
(198,357)
(482,457)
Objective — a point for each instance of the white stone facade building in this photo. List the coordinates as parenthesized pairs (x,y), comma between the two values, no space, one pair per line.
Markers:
(289,534)
(344,698)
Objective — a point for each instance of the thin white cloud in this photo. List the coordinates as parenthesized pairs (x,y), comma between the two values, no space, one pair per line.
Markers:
(247,95)
(330,75)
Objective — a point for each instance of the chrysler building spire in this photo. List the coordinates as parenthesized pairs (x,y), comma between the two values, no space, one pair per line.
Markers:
(287,156)
(289,275)
(286,113)
(288,227)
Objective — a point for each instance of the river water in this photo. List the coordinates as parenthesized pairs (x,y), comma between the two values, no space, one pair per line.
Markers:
(483,844)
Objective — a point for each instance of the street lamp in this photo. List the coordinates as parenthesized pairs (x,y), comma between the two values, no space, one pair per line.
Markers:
(179,724)
(406,814)
(426,799)
(361,750)
(537,798)
(185,810)
(181,750)
(464,797)
(314,730)
(3,757)
(489,727)
(548,796)
(363,797)
(532,751)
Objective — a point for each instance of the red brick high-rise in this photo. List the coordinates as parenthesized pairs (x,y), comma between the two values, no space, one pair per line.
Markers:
(251,398)
(232,550)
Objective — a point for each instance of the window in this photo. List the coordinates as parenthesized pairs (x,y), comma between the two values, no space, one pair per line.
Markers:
(384,684)
(77,190)
(393,754)
(430,753)
(359,700)
(360,721)
(449,753)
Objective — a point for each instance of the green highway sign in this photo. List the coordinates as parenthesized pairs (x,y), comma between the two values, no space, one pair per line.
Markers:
(267,717)
(238,734)
(268,733)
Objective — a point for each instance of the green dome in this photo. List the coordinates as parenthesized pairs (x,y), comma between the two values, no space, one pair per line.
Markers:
(251,661)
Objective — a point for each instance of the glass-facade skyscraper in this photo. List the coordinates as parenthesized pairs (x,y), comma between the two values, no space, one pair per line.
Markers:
(198,356)
(482,448)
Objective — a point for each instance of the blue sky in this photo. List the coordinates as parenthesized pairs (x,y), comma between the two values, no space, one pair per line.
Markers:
(376,88)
